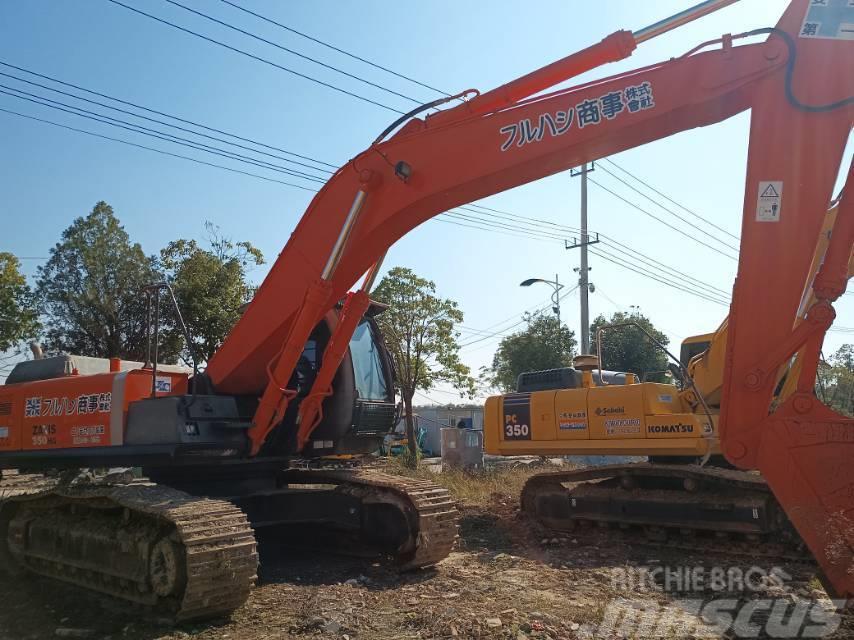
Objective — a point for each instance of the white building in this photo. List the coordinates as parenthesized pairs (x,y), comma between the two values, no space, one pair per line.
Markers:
(432,419)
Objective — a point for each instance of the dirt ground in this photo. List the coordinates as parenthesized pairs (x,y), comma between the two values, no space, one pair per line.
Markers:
(507,579)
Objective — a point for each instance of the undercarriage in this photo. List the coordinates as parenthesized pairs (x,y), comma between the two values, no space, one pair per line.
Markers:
(183,552)
(679,502)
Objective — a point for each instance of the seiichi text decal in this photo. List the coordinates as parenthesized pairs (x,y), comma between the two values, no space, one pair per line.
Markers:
(586,113)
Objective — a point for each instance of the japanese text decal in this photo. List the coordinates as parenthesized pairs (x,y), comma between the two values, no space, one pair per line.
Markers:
(589,112)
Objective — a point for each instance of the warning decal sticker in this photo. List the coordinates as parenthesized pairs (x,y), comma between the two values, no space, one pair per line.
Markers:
(769,201)
(829,19)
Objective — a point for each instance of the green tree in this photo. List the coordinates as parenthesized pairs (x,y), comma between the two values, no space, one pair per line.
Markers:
(18,316)
(210,285)
(90,291)
(543,344)
(419,328)
(628,348)
(836,380)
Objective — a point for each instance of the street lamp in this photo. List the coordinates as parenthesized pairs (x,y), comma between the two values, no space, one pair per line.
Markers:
(556,285)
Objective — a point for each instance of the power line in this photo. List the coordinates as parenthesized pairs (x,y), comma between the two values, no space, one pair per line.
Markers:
(662,279)
(609,240)
(513,326)
(161,113)
(533,228)
(655,264)
(652,276)
(161,122)
(669,199)
(160,151)
(531,309)
(670,211)
(483,338)
(666,224)
(424,395)
(620,307)
(685,283)
(154,133)
(482,223)
(505,225)
(439,218)
(334,48)
(295,53)
(534,223)
(617,306)
(514,216)
(258,58)
(508,231)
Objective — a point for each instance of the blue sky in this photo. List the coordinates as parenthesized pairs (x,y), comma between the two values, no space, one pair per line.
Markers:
(48,176)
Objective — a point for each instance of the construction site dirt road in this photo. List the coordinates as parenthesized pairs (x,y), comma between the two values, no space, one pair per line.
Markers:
(507,579)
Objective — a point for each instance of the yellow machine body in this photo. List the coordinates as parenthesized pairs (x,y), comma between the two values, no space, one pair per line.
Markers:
(644,419)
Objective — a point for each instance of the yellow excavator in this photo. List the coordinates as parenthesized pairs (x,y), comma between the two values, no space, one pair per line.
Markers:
(686,485)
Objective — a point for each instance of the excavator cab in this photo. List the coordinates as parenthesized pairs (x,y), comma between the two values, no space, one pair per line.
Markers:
(361,409)
(694,346)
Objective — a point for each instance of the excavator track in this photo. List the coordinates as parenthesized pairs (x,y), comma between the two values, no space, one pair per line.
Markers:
(430,512)
(180,557)
(679,506)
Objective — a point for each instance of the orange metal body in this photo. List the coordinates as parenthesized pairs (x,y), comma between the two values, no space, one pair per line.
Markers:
(501,140)
(76,411)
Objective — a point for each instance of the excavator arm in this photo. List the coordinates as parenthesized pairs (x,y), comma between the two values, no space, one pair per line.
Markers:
(798,82)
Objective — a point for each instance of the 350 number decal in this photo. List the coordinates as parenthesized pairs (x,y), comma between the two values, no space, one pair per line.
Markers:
(517,430)
(517,416)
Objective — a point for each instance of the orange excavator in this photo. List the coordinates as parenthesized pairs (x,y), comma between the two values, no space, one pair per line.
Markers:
(303,373)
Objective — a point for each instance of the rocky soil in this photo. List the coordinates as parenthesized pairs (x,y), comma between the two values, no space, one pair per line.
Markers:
(507,579)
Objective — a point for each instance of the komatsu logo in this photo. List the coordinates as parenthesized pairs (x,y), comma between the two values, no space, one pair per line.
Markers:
(680,427)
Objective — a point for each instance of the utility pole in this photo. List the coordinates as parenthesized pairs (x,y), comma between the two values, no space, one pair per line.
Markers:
(584,279)
(584,285)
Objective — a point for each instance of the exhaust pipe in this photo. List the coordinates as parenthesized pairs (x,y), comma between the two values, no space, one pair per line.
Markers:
(36,348)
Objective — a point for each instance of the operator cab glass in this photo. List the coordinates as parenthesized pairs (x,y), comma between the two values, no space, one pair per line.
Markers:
(694,346)
(368,368)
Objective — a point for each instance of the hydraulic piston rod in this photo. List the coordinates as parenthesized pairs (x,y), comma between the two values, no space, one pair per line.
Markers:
(617,46)
(344,236)
(678,19)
